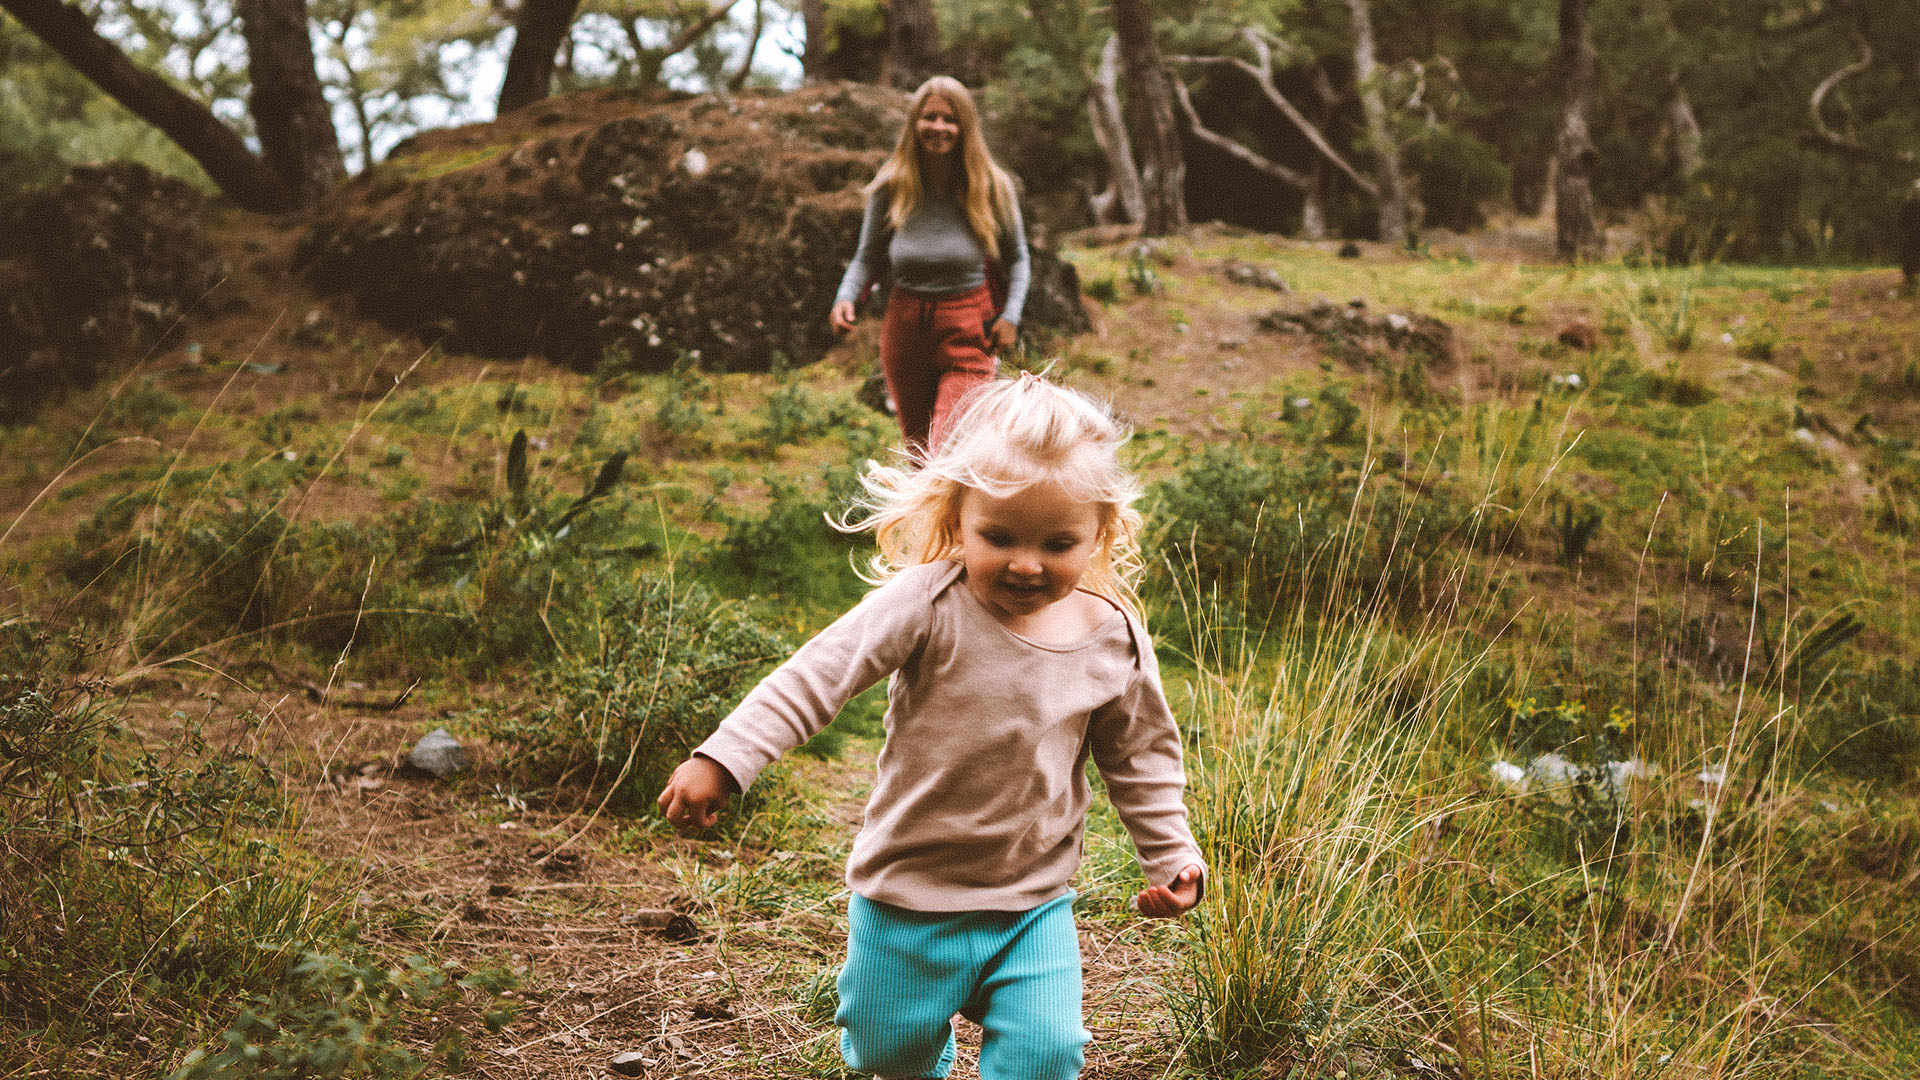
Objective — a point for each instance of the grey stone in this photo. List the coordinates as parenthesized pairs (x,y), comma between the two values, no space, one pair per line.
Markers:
(631,1063)
(439,753)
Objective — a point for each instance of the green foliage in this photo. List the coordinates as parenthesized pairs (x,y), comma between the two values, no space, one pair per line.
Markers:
(1575,530)
(338,1016)
(1865,723)
(135,863)
(797,413)
(1264,524)
(1460,176)
(791,546)
(213,556)
(662,664)
(682,415)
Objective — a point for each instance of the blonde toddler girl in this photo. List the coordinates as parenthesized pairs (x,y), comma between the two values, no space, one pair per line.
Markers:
(1007,621)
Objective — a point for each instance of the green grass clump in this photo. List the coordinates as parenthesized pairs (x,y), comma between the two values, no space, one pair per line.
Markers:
(663,664)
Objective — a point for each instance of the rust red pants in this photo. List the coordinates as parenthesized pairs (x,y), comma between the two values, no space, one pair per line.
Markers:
(933,349)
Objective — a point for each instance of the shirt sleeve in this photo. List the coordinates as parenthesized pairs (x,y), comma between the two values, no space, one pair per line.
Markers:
(802,696)
(1136,746)
(1019,264)
(870,254)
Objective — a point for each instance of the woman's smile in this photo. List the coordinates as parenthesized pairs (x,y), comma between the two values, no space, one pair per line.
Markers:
(938,126)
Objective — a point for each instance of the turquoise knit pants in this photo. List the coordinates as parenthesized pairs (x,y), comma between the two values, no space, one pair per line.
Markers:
(1015,973)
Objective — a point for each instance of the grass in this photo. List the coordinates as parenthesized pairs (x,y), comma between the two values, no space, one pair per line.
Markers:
(1376,580)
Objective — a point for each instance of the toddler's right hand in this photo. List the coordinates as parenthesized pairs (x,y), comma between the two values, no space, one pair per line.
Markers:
(842,316)
(696,793)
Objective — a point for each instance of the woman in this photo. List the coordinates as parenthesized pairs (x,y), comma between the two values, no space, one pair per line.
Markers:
(940,216)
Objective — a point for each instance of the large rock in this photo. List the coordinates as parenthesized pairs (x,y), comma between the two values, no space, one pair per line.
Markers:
(605,228)
(93,270)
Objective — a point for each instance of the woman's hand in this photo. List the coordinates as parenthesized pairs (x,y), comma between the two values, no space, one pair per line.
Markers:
(696,793)
(1002,336)
(842,316)
(1171,901)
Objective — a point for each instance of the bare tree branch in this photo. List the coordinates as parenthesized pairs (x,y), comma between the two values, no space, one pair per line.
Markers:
(1262,73)
(1123,192)
(746,62)
(1833,140)
(1242,153)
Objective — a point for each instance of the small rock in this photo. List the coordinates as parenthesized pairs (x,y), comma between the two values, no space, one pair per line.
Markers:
(651,918)
(1260,277)
(631,1063)
(695,163)
(1578,334)
(439,753)
(1349,250)
(315,328)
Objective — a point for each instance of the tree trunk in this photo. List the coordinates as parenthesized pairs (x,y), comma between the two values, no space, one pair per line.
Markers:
(290,114)
(1386,150)
(913,43)
(813,15)
(536,41)
(1122,200)
(1574,233)
(1163,168)
(240,175)
(753,42)
(1686,131)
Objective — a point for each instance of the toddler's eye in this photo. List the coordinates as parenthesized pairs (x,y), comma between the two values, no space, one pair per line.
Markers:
(1061,547)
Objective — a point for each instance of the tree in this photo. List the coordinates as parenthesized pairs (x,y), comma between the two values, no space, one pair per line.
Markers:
(813,20)
(1391,188)
(1163,169)
(537,32)
(1260,70)
(290,114)
(1574,232)
(240,174)
(1122,200)
(913,43)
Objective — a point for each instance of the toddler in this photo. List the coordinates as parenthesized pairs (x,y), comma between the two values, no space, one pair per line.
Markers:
(1008,622)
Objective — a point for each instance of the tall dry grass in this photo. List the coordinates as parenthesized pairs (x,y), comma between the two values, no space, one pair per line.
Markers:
(1379,898)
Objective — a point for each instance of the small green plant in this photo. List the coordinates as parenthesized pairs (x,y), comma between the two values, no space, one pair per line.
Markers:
(349,1016)
(663,664)
(1104,288)
(1576,531)
(1141,275)
(682,414)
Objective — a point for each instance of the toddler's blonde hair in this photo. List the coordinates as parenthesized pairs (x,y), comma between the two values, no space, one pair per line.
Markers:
(1008,435)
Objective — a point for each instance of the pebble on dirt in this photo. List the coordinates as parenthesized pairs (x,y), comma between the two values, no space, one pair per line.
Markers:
(439,753)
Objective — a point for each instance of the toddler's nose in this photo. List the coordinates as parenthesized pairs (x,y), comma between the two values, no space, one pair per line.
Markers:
(1024,563)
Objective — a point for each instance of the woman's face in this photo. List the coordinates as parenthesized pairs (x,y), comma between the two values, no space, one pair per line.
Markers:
(938,127)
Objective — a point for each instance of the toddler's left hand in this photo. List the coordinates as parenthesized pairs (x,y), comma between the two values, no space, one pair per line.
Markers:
(1171,901)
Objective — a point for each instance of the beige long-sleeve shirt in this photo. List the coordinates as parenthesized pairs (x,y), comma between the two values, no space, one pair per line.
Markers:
(982,793)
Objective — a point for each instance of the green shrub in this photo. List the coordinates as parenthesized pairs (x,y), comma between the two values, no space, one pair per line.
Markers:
(665,665)
(140,872)
(339,1016)
(479,582)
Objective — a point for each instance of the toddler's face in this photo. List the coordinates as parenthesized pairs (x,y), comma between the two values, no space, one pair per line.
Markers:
(1028,550)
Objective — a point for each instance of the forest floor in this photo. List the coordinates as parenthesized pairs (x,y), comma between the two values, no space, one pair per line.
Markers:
(712,955)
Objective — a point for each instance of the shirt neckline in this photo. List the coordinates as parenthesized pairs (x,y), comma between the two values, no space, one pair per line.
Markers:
(1097,635)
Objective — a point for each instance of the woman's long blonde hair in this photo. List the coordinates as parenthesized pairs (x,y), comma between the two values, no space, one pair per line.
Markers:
(987,195)
(1011,434)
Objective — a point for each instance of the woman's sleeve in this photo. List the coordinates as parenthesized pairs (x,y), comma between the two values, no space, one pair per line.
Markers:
(1136,746)
(1019,265)
(870,254)
(802,696)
